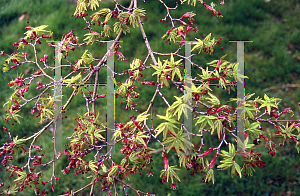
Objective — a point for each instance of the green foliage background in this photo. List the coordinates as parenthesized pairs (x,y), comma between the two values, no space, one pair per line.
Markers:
(270,61)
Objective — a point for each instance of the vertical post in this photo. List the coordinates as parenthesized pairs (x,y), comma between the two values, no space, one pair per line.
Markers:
(57,98)
(110,115)
(240,91)
(188,91)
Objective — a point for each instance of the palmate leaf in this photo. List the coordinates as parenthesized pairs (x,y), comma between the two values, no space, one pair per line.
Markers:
(87,58)
(160,71)
(210,176)
(37,30)
(93,4)
(16,56)
(140,138)
(253,128)
(107,30)
(183,160)
(124,14)
(193,2)
(244,145)
(166,126)
(180,107)
(269,102)
(287,132)
(178,142)
(228,161)
(5,68)
(236,73)
(139,12)
(74,79)
(175,70)
(213,100)
(107,18)
(125,28)
(198,45)
(117,27)
(142,117)
(92,166)
(103,12)
(113,171)
(13,115)
(46,112)
(206,42)
(205,74)
(172,36)
(133,20)
(218,124)
(81,7)
(12,190)
(98,135)
(170,173)
(22,176)
(118,133)
(214,63)
(204,120)
(91,37)
(249,108)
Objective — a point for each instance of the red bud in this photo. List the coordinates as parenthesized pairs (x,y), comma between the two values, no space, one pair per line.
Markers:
(166,162)
(45,57)
(186,15)
(5,129)
(206,153)
(102,96)
(213,161)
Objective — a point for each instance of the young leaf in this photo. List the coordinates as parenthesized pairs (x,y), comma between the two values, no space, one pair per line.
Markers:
(93,4)
(180,107)
(81,7)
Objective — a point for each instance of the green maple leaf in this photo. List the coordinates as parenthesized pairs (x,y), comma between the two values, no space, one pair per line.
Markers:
(253,128)
(175,69)
(269,102)
(178,142)
(205,74)
(160,69)
(93,4)
(37,30)
(166,126)
(204,120)
(180,106)
(91,37)
(170,173)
